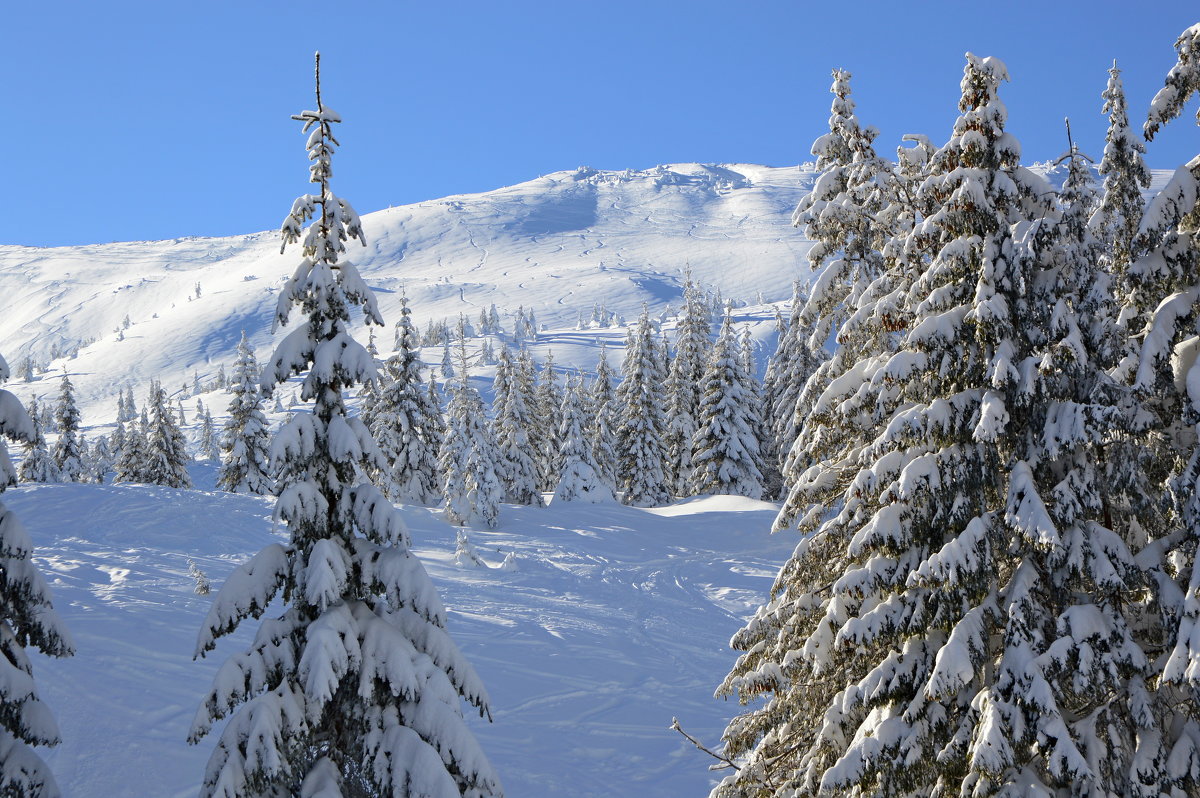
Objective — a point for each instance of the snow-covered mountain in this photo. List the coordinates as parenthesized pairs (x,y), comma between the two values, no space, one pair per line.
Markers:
(556,244)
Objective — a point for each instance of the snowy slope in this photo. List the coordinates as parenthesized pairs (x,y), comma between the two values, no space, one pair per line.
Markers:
(615,620)
(556,244)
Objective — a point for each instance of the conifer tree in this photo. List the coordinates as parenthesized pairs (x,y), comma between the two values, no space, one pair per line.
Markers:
(405,425)
(167,457)
(38,465)
(244,438)
(99,462)
(1163,284)
(977,607)
(447,362)
(469,457)
(28,620)
(548,402)
(794,361)
(600,430)
(857,208)
(580,480)
(1115,221)
(208,437)
(67,460)
(355,689)
(692,351)
(135,453)
(725,449)
(641,420)
(453,457)
(511,392)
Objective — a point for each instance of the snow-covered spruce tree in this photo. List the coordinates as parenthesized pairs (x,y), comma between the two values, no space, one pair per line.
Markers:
(794,361)
(512,392)
(580,479)
(1115,221)
(973,639)
(99,461)
(547,418)
(600,427)
(692,350)
(26,619)
(116,441)
(853,211)
(1165,281)
(67,460)
(37,465)
(135,454)
(244,438)
(406,422)
(469,456)
(753,389)
(166,450)
(640,420)
(355,689)
(725,453)
(207,444)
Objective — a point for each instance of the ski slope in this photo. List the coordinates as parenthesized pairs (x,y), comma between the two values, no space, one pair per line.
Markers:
(614,620)
(557,244)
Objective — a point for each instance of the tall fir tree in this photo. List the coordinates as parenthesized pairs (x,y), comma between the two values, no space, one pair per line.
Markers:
(693,348)
(37,465)
(355,689)
(166,453)
(1118,216)
(207,444)
(1164,282)
(601,420)
(641,420)
(857,208)
(470,456)
(788,371)
(513,393)
(404,425)
(27,619)
(974,637)
(66,454)
(548,403)
(580,479)
(725,448)
(132,460)
(245,437)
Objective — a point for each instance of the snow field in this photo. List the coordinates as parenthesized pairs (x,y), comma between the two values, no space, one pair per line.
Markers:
(613,621)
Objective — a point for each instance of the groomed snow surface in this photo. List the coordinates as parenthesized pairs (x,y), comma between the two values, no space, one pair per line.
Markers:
(607,622)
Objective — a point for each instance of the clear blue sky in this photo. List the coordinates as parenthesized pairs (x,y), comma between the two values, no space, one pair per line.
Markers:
(150,120)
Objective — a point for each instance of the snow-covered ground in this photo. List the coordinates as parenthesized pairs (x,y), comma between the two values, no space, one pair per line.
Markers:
(614,620)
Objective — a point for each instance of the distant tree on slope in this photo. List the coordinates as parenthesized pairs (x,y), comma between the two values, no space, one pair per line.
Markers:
(67,457)
(37,465)
(406,422)
(580,480)
(244,439)
(641,420)
(166,451)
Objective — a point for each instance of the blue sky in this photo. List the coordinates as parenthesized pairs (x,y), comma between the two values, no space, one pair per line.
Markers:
(151,120)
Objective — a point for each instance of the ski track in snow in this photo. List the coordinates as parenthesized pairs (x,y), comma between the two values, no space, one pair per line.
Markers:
(616,620)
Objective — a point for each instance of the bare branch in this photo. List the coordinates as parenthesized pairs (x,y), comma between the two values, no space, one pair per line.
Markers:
(726,762)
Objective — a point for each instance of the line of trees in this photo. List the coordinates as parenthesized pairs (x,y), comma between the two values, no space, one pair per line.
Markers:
(994,477)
